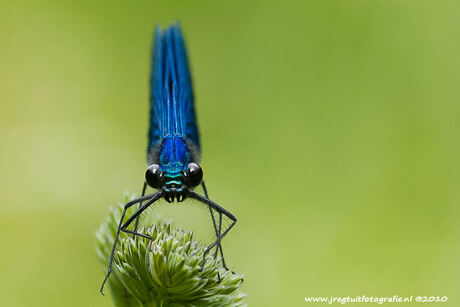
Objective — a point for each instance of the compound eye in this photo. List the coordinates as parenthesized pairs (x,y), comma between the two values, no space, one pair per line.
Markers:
(194,174)
(154,176)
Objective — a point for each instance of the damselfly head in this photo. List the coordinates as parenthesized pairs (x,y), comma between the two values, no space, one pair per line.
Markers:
(174,184)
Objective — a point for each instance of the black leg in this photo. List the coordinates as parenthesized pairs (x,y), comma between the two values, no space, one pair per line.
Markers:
(136,215)
(203,185)
(152,198)
(221,211)
(217,230)
(140,205)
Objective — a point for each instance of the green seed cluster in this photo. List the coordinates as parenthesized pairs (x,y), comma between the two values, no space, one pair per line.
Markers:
(165,271)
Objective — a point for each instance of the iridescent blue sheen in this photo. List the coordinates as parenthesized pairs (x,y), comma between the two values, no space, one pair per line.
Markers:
(173,133)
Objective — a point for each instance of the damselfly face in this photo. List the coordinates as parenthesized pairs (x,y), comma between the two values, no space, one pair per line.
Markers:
(173,182)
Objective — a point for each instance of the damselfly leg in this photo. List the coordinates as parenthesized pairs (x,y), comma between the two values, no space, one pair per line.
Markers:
(220,211)
(121,227)
(216,229)
(140,205)
(151,198)
(136,215)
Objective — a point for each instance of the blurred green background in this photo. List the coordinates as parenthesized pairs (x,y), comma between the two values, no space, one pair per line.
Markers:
(330,128)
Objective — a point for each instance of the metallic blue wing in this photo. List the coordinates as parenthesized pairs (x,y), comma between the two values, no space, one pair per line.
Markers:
(172,112)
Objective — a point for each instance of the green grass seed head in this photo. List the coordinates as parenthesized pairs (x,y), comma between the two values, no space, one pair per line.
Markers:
(165,271)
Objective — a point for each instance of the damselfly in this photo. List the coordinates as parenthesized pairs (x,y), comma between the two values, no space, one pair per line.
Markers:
(173,153)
